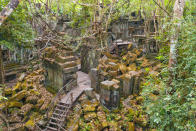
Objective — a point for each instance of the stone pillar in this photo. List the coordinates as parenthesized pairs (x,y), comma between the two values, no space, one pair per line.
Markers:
(110,96)
(90,54)
(136,88)
(94,79)
(89,58)
(131,83)
(60,68)
(128,84)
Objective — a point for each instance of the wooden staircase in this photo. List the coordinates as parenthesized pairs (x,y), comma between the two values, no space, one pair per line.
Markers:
(58,117)
(61,111)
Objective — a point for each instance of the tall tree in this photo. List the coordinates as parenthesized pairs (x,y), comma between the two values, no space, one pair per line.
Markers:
(8,10)
(178,14)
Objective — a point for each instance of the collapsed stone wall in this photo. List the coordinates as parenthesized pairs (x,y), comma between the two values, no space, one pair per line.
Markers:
(122,72)
(136,30)
(27,101)
(139,32)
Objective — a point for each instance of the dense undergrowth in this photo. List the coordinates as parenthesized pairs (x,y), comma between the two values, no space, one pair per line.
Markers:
(171,106)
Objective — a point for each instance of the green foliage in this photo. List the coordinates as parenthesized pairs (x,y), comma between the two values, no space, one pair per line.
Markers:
(16,30)
(174,108)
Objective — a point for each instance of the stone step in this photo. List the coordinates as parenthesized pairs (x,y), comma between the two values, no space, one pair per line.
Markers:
(63,59)
(18,69)
(70,69)
(68,64)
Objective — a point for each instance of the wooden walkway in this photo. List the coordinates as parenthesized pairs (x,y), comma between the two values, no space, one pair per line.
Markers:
(63,107)
(83,82)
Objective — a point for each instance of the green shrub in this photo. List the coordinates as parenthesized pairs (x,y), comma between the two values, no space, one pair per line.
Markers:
(175,106)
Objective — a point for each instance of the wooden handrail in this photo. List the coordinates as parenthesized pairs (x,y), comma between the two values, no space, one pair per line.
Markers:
(54,99)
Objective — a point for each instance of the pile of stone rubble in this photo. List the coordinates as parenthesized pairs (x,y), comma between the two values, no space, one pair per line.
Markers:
(27,101)
(120,73)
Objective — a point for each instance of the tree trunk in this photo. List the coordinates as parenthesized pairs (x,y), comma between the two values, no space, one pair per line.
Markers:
(178,14)
(8,10)
(1,68)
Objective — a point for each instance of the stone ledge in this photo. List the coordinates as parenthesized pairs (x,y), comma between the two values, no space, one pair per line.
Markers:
(68,64)
(63,59)
(70,70)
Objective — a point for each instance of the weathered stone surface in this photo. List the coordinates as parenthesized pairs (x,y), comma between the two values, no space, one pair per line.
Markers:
(128,84)
(50,52)
(11,104)
(110,94)
(94,79)
(90,94)
(68,53)
(26,109)
(59,67)
(113,74)
(40,102)
(89,58)
(113,66)
(70,69)
(32,99)
(68,64)
(62,59)
(22,76)
(136,89)
(90,116)
(102,119)
(131,83)
(19,96)
(15,119)
(109,85)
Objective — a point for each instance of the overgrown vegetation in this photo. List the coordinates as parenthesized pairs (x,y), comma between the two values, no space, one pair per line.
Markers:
(174,107)
(169,103)
(16,31)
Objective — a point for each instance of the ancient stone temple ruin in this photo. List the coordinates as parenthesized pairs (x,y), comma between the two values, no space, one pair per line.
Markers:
(121,68)
(61,66)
